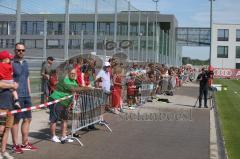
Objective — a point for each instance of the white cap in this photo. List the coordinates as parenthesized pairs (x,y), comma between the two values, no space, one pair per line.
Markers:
(107,64)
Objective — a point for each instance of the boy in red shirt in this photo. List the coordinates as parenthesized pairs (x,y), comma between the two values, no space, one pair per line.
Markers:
(6,122)
(53,81)
(6,72)
(131,87)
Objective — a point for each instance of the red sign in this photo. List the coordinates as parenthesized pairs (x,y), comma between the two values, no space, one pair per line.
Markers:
(226,73)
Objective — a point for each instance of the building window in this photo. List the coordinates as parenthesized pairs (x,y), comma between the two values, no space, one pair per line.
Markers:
(237,51)
(223,34)
(52,44)
(88,44)
(222,52)
(238,35)
(237,65)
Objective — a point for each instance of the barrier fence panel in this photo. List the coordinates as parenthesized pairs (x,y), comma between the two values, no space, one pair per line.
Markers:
(88,109)
(146,91)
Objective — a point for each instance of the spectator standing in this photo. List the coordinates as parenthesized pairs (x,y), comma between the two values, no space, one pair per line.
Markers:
(21,76)
(45,73)
(117,89)
(78,68)
(104,77)
(59,111)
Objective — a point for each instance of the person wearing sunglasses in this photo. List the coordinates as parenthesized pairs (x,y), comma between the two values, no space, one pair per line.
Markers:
(21,76)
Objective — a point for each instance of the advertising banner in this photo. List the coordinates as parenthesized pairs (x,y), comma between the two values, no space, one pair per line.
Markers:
(226,73)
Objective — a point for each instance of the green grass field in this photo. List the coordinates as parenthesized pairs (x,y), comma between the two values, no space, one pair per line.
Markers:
(228,102)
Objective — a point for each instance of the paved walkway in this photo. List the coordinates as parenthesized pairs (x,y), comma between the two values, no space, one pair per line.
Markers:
(156,130)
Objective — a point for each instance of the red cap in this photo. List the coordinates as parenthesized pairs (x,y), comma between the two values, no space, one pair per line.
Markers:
(210,68)
(5,54)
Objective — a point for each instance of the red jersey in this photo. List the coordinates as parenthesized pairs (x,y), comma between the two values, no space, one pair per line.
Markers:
(131,87)
(53,82)
(79,75)
(6,71)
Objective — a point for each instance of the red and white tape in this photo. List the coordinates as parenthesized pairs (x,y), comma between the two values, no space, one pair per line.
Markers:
(35,107)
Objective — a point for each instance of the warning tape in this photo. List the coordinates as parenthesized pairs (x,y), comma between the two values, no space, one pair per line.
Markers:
(35,107)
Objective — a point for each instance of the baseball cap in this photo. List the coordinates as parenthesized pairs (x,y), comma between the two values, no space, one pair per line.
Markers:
(5,54)
(50,58)
(107,64)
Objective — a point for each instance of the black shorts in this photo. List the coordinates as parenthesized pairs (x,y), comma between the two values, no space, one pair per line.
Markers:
(25,102)
(58,112)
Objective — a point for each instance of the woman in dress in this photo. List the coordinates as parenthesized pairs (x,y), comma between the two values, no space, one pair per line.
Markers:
(117,89)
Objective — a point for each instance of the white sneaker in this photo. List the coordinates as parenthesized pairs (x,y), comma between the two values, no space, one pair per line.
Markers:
(7,155)
(55,139)
(65,139)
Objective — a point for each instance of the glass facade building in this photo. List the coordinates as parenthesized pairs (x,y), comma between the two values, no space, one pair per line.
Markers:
(159,42)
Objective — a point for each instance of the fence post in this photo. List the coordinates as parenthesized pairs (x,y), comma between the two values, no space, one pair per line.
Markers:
(18,22)
(95,26)
(66,30)
(45,39)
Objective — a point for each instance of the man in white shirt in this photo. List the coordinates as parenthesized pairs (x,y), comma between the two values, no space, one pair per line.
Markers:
(105,77)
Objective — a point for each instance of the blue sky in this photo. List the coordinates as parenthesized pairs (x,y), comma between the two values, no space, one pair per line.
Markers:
(191,13)
(195,13)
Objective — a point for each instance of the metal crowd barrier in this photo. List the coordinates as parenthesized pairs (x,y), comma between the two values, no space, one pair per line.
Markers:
(168,85)
(88,109)
(146,91)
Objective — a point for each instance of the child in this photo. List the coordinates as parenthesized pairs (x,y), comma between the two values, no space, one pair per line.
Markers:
(6,73)
(53,81)
(6,122)
(131,87)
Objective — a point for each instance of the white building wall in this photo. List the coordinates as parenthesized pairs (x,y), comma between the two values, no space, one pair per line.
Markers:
(231,61)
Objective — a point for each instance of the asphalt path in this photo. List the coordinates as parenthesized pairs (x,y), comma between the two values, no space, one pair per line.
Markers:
(165,137)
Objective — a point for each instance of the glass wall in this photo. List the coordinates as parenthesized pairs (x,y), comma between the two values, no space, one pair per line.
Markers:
(7,43)
(3,28)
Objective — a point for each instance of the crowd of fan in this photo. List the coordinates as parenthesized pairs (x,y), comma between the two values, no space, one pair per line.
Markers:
(123,85)
(126,80)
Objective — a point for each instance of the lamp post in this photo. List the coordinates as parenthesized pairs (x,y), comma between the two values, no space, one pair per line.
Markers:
(156,1)
(211,10)
(139,46)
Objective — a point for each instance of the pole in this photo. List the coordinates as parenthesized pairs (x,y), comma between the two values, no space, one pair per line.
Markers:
(157,45)
(147,58)
(134,53)
(153,44)
(81,41)
(156,1)
(18,21)
(45,39)
(211,8)
(105,50)
(156,27)
(115,25)
(139,35)
(95,26)
(66,31)
(129,25)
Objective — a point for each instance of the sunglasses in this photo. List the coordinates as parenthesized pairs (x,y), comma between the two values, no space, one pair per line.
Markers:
(20,50)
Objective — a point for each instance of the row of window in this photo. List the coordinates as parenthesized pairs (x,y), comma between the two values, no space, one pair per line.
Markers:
(222,51)
(75,28)
(76,44)
(223,35)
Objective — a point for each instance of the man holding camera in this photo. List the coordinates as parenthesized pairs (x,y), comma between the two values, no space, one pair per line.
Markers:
(203,87)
